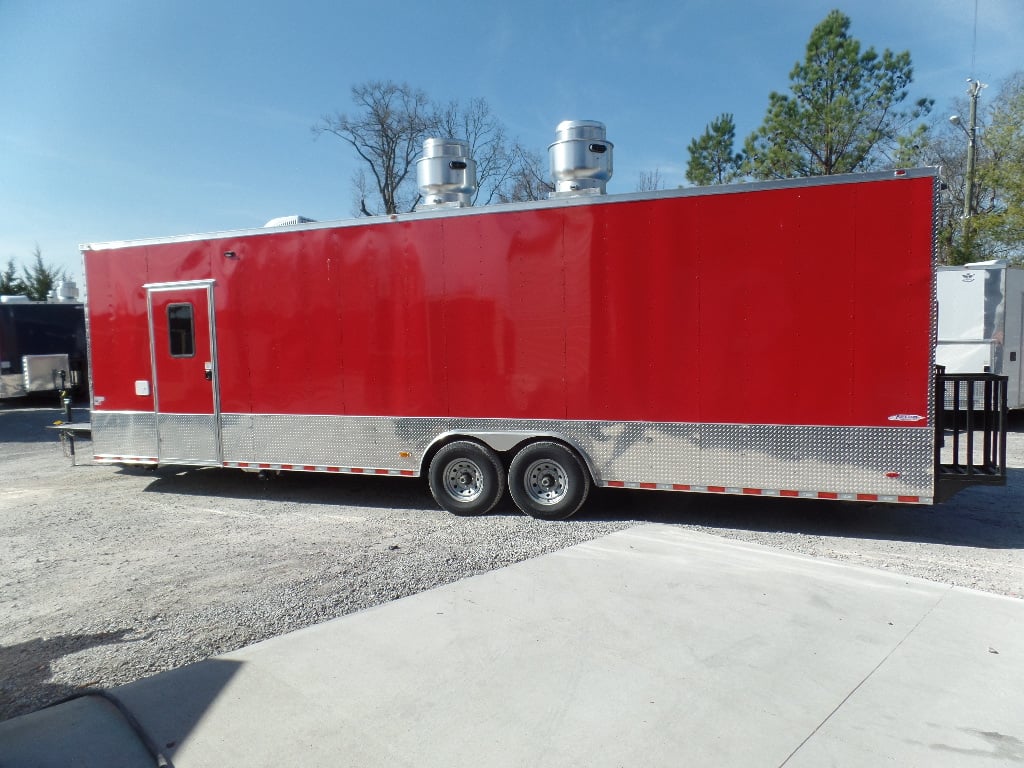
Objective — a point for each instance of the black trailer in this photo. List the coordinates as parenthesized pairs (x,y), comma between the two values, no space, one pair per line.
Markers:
(38,342)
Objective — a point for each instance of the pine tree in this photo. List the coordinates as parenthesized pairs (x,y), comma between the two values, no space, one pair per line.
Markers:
(842,114)
(39,278)
(713,159)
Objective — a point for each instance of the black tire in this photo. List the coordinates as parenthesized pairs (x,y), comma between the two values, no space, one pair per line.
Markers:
(466,478)
(548,481)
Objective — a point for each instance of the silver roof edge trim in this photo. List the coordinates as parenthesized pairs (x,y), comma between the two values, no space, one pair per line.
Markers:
(559,202)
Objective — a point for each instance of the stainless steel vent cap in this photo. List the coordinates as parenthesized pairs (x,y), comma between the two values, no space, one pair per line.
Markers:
(581,158)
(446,174)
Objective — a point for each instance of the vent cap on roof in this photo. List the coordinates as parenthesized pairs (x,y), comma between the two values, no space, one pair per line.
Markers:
(446,174)
(581,158)
(64,292)
(285,221)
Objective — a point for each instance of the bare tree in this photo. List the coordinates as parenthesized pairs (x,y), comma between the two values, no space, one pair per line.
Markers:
(387,133)
(529,178)
(475,123)
(650,181)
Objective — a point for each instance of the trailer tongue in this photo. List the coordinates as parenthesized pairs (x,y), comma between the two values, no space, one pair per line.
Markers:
(771,339)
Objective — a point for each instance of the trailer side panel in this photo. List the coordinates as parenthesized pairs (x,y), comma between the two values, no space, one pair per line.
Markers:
(745,340)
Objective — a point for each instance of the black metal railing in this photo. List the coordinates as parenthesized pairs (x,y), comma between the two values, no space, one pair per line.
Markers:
(970,424)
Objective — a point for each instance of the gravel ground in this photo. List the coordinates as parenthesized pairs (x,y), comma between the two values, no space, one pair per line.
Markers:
(108,575)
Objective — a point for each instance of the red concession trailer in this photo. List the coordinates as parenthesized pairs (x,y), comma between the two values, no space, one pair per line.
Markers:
(773,339)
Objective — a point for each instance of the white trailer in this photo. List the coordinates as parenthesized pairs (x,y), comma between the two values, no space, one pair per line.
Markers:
(981,322)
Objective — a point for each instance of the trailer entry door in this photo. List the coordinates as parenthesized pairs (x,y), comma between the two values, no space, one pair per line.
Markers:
(183,347)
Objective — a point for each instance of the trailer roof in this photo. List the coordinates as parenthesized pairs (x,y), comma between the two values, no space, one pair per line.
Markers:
(553,202)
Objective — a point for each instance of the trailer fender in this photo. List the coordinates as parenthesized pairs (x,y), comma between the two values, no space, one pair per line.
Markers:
(505,442)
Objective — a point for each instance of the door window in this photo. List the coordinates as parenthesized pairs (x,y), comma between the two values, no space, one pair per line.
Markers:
(181,330)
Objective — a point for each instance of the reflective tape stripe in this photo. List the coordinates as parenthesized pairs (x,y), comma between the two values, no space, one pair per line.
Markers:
(314,468)
(780,492)
(124,459)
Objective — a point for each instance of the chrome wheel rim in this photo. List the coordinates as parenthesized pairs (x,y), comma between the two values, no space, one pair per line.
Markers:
(546,482)
(463,480)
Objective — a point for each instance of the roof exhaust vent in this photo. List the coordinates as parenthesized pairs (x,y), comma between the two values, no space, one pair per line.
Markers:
(287,221)
(446,174)
(581,158)
(64,292)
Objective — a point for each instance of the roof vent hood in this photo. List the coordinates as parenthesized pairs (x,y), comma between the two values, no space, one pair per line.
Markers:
(446,174)
(581,158)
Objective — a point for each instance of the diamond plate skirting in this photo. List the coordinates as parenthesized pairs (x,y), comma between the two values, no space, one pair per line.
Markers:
(894,461)
(123,434)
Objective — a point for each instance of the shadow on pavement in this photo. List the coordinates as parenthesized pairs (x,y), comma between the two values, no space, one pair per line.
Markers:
(987,517)
(976,517)
(27,666)
(20,423)
(88,730)
(297,487)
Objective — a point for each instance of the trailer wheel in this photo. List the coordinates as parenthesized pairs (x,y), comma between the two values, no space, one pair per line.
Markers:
(548,481)
(466,478)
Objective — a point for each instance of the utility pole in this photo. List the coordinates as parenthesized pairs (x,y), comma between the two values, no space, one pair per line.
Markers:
(973,90)
(972,143)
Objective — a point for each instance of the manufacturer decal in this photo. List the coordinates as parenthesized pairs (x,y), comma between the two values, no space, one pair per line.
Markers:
(906,417)
(967,277)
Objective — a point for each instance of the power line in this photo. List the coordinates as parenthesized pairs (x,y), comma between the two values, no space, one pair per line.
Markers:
(974,45)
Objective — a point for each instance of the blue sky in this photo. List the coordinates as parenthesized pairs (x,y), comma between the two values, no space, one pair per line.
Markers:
(123,119)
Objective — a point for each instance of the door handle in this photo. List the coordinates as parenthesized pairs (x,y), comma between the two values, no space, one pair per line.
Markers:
(208,371)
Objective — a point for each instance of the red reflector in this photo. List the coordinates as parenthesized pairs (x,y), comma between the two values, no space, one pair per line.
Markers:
(899,172)
(892,475)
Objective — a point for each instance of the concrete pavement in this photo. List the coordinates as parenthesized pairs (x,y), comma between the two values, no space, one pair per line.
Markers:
(654,646)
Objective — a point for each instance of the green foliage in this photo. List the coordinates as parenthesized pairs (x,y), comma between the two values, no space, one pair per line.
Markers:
(999,226)
(995,229)
(36,280)
(713,160)
(841,115)
(10,283)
